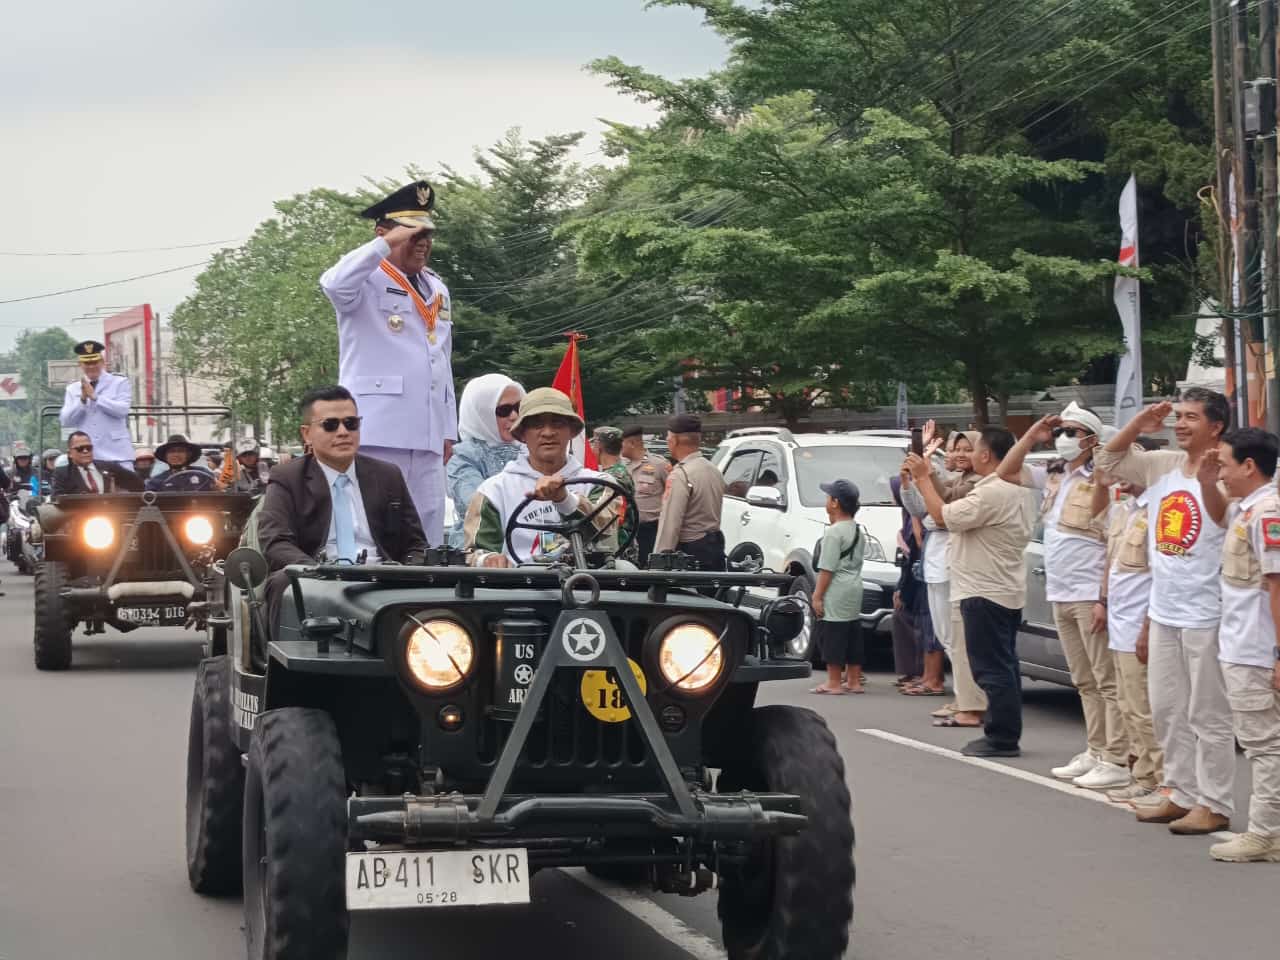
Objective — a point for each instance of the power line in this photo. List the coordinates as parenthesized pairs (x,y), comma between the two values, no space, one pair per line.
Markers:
(109,283)
(111,253)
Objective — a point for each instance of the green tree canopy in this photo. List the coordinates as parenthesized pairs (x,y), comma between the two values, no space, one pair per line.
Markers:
(34,350)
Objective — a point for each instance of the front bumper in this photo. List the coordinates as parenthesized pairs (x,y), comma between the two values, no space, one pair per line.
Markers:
(453,818)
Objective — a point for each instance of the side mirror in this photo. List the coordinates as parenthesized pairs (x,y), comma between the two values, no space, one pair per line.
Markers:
(765,497)
(246,568)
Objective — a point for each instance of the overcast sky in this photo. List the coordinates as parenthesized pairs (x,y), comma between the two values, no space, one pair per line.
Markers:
(149,123)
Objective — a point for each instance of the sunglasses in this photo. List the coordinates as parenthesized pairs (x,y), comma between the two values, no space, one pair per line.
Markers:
(331,424)
(1071,432)
(504,410)
(83,448)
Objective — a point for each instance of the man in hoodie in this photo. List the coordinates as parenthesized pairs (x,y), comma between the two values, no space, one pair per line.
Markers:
(1075,560)
(546,425)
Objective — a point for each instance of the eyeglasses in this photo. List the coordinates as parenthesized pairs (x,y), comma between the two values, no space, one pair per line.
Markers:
(83,448)
(331,424)
(1071,432)
(504,410)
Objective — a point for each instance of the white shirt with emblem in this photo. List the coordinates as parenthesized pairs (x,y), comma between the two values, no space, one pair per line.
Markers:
(1186,554)
(1248,633)
(1128,591)
(364,537)
(1073,563)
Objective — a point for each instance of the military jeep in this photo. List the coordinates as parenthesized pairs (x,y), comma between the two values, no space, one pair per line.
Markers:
(134,559)
(427,737)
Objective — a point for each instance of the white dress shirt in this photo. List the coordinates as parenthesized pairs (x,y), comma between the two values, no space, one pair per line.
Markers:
(86,472)
(364,537)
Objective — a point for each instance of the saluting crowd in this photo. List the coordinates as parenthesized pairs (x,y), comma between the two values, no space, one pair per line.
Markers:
(1162,567)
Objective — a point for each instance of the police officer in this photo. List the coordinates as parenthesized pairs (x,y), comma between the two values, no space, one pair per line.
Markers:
(649,474)
(395,344)
(98,404)
(1248,643)
(694,498)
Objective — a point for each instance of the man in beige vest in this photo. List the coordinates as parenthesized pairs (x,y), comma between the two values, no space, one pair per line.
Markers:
(1075,559)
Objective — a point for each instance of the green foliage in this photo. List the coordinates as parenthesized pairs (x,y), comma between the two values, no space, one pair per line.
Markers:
(34,350)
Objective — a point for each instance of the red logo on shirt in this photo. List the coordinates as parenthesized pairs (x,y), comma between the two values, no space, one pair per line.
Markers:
(1178,524)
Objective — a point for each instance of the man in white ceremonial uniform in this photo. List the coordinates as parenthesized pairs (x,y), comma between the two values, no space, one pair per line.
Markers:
(1248,645)
(98,404)
(395,347)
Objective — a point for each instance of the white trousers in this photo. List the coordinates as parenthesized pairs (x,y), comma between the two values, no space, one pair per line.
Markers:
(423,472)
(940,612)
(1192,716)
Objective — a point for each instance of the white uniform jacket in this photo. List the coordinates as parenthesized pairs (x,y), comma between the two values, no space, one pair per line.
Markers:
(402,383)
(105,418)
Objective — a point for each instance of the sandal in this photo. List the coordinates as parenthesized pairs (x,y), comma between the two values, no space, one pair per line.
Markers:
(924,692)
(945,710)
(825,691)
(905,681)
(953,722)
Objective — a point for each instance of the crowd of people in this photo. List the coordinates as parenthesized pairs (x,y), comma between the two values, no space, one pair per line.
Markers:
(1163,571)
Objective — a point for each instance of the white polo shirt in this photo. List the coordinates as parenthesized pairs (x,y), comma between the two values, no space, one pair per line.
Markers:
(1073,563)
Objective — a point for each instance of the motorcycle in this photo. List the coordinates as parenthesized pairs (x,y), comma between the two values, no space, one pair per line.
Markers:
(18,547)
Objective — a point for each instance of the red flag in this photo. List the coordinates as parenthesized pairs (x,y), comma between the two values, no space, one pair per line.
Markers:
(569,382)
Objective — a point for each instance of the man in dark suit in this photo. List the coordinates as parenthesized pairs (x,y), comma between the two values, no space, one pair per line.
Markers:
(83,474)
(375,517)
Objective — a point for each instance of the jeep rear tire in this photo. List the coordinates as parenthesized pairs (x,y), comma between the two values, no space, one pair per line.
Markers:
(215,784)
(295,830)
(52,634)
(794,895)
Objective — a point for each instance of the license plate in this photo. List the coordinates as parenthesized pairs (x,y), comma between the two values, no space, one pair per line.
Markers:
(436,878)
(162,615)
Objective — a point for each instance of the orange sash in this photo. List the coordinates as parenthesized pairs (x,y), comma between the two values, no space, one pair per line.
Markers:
(428,312)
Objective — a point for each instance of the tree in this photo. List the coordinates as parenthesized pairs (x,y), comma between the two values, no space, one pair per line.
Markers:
(34,350)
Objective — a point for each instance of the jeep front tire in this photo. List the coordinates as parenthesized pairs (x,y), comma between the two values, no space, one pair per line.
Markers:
(295,830)
(793,897)
(215,784)
(52,624)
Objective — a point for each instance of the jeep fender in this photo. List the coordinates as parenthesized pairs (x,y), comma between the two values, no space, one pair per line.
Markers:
(799,563)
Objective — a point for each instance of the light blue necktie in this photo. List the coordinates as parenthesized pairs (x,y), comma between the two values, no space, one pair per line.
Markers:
(344,527)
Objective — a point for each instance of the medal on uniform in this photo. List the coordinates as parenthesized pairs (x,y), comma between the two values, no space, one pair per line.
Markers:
(395,322)
(428,312)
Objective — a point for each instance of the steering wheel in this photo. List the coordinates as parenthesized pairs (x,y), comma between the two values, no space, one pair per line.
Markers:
(185,481)
(571,528)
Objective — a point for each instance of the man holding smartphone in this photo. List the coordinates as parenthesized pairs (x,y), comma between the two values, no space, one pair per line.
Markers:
(98,404)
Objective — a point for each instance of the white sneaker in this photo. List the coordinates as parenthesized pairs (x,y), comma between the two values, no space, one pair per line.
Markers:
(1080,764)
(1247,848)
(1105,776)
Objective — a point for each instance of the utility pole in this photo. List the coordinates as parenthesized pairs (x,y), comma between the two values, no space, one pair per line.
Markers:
(1222,153)
(1247,263)
(1266,87)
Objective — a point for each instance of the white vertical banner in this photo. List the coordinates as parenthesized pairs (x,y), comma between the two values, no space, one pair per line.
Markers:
(1129,380)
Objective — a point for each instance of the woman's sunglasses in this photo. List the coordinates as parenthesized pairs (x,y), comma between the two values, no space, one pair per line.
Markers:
(504,410)
(1071,432)
(331,424)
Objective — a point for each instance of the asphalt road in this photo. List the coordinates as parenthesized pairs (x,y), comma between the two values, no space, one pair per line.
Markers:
(955,860)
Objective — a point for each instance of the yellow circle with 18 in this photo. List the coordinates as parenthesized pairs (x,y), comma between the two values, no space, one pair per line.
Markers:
(604,697)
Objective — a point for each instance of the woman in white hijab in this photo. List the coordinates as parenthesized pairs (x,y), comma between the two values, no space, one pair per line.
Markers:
(490,405)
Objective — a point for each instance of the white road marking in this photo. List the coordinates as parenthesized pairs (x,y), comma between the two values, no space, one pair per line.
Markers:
(666,925)
(1018,774)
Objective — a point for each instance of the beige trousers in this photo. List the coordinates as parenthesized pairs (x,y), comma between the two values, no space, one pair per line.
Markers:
(969,696)
(1093,671)
(1255,705)
(1148,769)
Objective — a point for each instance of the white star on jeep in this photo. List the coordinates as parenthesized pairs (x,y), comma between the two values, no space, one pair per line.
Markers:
(584,639)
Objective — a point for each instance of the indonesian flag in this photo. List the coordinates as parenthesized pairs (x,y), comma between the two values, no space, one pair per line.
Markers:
(1129,380)
(569,382)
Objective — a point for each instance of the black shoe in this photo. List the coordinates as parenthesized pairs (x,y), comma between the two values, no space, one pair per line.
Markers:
(982,747)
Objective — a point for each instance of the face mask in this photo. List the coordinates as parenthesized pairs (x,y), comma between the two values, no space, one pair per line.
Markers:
(1068,447)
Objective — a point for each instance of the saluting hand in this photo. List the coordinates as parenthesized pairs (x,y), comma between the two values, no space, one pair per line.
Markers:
(1042,430)
(1210,468)
(1151,419)
(399,235)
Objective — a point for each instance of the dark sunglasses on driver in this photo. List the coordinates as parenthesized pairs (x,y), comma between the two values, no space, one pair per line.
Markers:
(1071,432)
(331,424)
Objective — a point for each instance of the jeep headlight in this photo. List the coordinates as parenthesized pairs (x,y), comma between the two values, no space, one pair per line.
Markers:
(690,657)
(98,533)
(439,653)
(875,549)
(198,530)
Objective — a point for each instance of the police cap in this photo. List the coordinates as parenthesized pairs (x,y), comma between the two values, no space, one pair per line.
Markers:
(635,430)
(409,206)
(89,351)
(684,423)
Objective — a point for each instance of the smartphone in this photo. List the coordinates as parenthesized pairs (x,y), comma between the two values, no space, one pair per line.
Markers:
(917,441)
